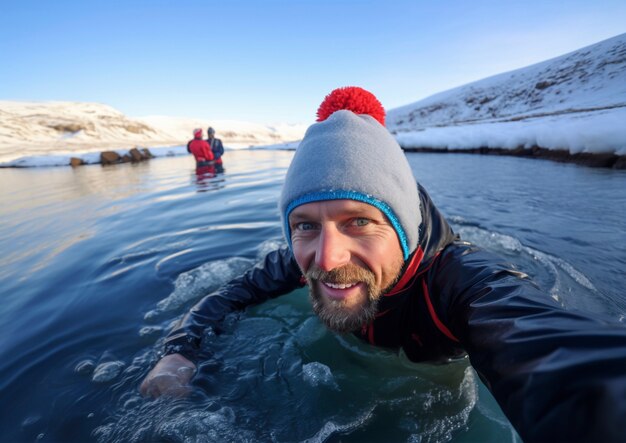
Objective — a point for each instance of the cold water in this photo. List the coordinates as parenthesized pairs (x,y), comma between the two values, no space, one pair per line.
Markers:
(97,263)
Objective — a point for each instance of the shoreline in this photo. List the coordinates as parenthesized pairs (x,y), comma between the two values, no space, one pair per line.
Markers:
(593,160)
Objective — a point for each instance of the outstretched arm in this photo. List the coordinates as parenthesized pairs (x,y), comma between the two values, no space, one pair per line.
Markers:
(276,275)
(559,375)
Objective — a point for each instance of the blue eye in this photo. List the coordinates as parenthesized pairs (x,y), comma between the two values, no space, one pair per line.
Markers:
(304,226)
(362,221)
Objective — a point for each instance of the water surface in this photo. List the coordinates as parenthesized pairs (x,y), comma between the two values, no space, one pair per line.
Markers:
(98,262)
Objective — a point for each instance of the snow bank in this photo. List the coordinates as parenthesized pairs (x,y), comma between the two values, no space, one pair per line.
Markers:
(593,132)
(575,102)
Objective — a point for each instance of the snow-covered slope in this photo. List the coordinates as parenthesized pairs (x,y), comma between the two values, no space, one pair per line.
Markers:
(31,128)
(575,102)
(53,128)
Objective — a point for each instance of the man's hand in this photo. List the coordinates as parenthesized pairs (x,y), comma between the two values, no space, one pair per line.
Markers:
(170,377)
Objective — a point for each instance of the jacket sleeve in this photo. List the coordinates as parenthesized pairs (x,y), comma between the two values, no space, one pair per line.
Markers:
(558,375)
(276,275)
(219,149)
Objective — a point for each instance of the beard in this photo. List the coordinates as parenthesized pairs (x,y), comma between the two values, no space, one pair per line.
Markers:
(335,314)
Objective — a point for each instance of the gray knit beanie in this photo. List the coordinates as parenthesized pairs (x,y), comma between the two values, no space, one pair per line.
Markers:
(350,154)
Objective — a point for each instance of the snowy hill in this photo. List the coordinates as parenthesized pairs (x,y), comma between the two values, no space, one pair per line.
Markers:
(575,102)
(573,106)
(53,128)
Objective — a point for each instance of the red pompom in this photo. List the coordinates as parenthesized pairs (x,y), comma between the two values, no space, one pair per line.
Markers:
(351,98)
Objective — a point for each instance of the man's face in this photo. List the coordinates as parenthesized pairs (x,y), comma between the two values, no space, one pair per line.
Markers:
(350,255)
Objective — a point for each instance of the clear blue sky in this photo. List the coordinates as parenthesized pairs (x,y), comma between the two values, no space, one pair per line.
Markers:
(274,61)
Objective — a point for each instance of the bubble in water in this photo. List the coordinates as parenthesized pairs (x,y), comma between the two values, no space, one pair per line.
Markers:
(316,374)
(106,372)
(85,367)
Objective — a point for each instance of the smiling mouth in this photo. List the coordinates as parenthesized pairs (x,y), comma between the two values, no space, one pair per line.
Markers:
(342,292)
(339,285)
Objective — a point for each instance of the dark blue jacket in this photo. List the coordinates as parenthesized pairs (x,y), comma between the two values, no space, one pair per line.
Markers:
(217,147)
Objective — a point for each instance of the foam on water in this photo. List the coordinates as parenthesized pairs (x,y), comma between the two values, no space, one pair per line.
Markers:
(258,373)
(85,367)
(429,417)
(507,244)
(208,277)
(331,428)
(317,374)
(106,372)
(148,331)
(203,280)
(256,377)
(578,276)
(203,426)
(490,240)
(443,428)
(177,422)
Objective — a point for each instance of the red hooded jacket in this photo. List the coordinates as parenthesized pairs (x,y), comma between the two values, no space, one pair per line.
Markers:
(200,150)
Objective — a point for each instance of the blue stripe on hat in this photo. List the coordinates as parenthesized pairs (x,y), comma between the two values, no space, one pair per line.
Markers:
(349,195)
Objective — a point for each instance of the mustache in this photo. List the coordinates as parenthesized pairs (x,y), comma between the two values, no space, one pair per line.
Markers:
(349,273)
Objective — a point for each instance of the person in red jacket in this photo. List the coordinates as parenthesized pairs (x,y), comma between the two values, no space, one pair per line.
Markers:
(200,150)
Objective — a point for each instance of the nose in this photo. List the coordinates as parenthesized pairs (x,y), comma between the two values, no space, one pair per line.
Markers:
(332,249)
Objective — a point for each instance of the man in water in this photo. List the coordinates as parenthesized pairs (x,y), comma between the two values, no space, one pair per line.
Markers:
(217,148)
(381,262)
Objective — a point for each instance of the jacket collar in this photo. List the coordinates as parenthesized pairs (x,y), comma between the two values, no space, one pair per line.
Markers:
(435,234)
